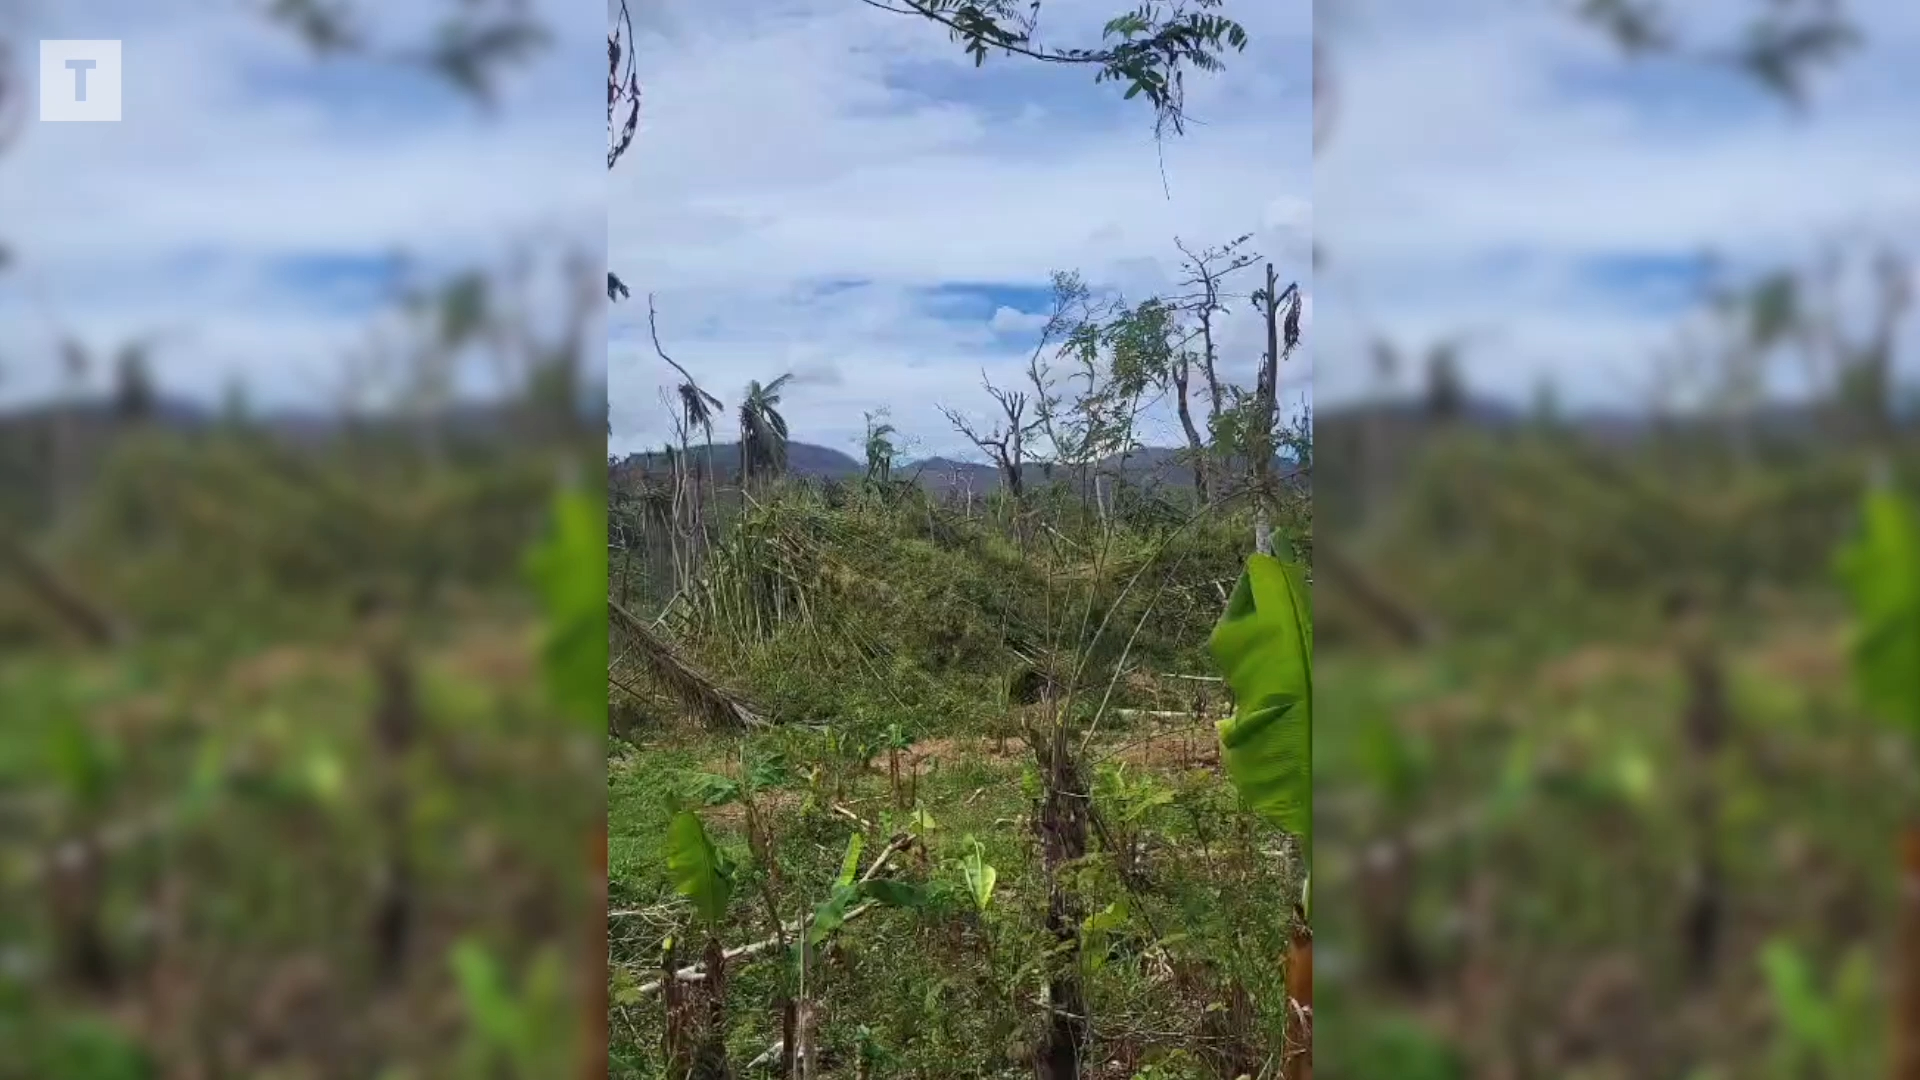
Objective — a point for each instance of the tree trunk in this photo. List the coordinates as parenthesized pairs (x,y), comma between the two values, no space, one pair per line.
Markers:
(597,968)
(1299,1052)
(1906,997)
(1266,389)
(1062,823)
(1195,443)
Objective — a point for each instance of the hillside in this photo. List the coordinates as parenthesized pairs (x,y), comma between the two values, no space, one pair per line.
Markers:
(1151,466)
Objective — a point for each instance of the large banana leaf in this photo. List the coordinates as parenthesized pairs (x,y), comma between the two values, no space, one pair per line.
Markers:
(1882,571)
(700,872)
(1264,646)
(570,570)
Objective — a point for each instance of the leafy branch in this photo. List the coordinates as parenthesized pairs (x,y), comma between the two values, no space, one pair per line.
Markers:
(1149,48)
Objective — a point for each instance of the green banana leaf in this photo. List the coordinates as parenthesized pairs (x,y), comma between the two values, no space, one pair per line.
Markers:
(569,568)
(1882,571)
(1264,646)
(700,872)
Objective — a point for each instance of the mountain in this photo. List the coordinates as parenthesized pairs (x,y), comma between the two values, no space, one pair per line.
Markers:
(1152,466)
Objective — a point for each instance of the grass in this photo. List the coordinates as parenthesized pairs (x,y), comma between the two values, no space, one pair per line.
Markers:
(1586,836)
(908,654)
(317,816)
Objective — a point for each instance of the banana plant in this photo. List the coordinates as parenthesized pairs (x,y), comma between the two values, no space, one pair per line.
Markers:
(568,569)
(1881,570)
(700,872)
(705,875)
(979,875)
(1264,646)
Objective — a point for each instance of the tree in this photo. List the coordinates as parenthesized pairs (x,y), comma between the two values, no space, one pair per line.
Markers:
(763,431)
(1208,272)
(1005,442)
(1446,392)
(134,398)
(880,450)
(1283,336)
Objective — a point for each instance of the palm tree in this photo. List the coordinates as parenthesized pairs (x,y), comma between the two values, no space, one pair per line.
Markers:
(763,431)
(880,450)
(697,408)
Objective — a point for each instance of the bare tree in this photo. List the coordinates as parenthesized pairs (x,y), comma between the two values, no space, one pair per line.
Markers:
(1283,334)
(1205,300)
(1005,441)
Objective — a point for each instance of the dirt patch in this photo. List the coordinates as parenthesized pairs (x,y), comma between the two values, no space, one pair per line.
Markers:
(500,656)
(1598,665)
(261,674)
(1808,659)
(776,801)
(952,751)
(1170,749)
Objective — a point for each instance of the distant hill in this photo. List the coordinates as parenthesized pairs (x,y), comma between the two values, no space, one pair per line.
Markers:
(1150,466)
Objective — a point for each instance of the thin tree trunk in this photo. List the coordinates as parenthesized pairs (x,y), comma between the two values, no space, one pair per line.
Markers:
(1195,443)
(598,967)
(1063,832)
(1707,720)
(1299,1060)
(1906,1000)
(803,1009)
(1266,389)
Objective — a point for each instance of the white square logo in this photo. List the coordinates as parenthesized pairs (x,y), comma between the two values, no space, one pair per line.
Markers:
(80,80)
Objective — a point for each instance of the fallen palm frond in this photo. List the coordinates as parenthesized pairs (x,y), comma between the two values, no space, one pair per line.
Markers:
(92,623)
(686,686)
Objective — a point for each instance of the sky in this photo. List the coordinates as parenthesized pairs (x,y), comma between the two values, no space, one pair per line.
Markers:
(248,210)
(1498,173)
(824,189)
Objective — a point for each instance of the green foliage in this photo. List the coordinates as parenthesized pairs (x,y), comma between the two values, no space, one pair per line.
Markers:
(1148,49)
(1882,572)
(979,875)
(521,1029)
(570,569)
(700,872)
(1264,644)
(82,1048)
(1096,933)
(1822,1032)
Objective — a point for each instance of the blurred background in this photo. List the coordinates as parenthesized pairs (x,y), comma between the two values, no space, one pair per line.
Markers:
(301,400)
(1614,327)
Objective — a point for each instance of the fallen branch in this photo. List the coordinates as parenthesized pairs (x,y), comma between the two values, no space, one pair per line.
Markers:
(94,624)
(687,686)
(1161,714)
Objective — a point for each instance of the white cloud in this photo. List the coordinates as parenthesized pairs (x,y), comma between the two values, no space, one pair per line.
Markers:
(788,150)
(240,156)
(1008,320)
(1484,137)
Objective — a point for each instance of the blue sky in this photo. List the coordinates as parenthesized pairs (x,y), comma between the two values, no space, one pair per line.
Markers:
(821,188)
(1498,171)
(250,206)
